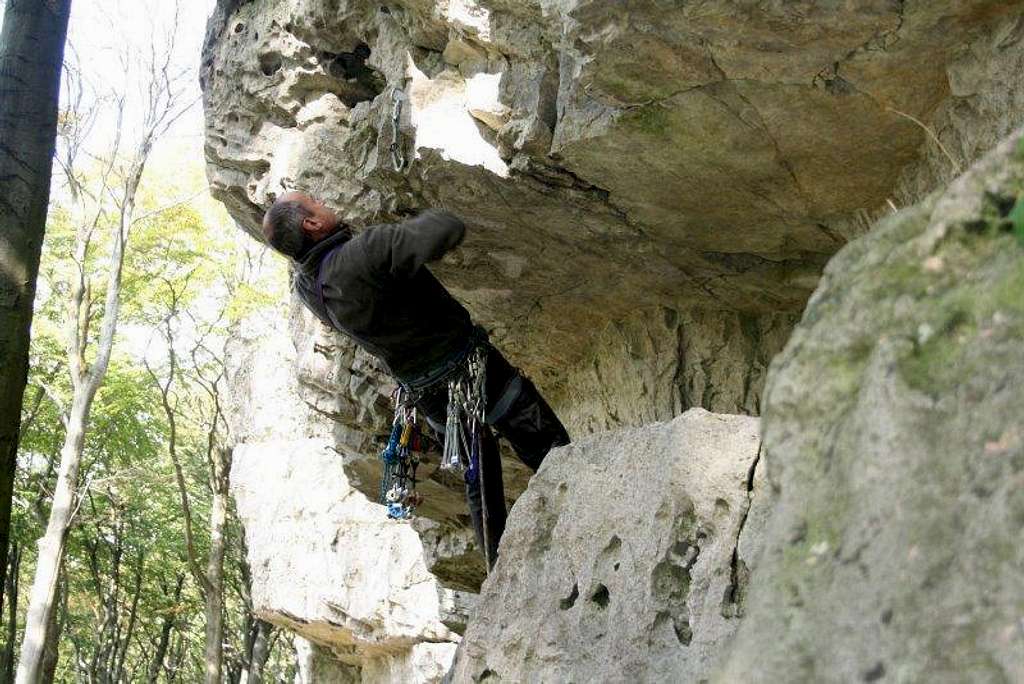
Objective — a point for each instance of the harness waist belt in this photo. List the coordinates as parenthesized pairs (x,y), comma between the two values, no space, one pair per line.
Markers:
(446,368)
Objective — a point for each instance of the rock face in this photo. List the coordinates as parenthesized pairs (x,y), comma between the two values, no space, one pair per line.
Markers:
(622,560)
(326,562)
(652,190)
(668,361)
(893,436)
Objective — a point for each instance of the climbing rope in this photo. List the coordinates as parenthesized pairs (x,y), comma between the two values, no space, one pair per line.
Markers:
(401,457)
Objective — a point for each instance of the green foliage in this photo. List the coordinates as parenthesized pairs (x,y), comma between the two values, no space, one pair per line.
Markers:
(1016,217)
(190,273)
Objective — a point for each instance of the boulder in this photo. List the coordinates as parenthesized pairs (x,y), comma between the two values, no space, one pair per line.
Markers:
(623,559)
(894,444)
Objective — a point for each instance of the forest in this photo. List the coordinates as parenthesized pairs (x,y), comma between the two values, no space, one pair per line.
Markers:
(126,561)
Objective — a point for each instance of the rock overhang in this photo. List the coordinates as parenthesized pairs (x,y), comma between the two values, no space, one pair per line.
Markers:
(708,156)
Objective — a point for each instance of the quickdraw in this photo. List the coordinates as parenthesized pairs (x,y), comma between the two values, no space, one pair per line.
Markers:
(397,155)
(463,438)
(467,401)
(401,458)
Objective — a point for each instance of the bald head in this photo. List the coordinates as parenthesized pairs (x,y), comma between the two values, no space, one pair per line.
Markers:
(296,222)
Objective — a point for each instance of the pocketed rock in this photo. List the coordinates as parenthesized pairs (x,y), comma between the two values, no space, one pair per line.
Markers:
(326,563)
(620,560)
(893,436)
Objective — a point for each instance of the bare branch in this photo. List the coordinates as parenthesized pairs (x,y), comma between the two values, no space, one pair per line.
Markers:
(51,394)
(167,207)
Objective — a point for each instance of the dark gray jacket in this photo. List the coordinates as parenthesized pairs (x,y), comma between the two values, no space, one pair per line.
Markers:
(376,289)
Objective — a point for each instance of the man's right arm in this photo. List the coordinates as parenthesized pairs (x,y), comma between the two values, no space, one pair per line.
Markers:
(402,249)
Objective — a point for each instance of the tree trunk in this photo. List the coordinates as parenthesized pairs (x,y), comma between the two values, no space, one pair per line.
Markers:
(7,660)
(121,653)
(214,655)
(156,666)
(51,652)
(31,55)
(260,653)
(51,545)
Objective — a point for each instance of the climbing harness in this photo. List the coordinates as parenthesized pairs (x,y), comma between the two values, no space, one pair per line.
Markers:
(397,155)
(401,457)
(465,374)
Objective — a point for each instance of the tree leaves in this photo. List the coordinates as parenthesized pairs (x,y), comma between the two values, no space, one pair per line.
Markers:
(1016,217)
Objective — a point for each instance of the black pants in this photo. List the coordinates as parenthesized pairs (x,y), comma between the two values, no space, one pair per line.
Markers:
(517,411)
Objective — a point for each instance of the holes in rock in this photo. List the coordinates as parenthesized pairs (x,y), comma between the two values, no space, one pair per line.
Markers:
(616,567)
(995,214)
(488,675)
(361,82)
(686,551)
(670,587)
(670,582)
(614,544)
(684,633)
(875,673)
(270,63)
(601,597)
(1003,204)
(887,616)
(680,626)
(735,598)
(239,27)
(976,227)
(569,601)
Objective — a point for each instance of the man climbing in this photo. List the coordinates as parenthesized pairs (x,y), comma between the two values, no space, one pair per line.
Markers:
(375,288)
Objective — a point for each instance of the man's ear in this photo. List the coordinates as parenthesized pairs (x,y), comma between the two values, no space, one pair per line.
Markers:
(312,226)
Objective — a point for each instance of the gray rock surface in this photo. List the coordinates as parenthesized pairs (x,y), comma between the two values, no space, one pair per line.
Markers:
(652,190)
(893,437)
(326,562)
(656,363)
(620,561)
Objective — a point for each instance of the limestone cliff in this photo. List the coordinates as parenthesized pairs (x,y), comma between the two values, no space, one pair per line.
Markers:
(326,563)
(652,191)
(893,438)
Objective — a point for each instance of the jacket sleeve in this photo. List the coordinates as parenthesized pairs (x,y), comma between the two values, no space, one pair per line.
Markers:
(401,250)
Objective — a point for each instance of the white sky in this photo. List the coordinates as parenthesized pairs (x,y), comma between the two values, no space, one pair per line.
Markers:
(98,34)
(100,30)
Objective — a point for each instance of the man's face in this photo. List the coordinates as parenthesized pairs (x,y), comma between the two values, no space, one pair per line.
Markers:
(321,223)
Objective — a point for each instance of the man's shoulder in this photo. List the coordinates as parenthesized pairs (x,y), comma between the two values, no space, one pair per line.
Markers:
(347,257)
